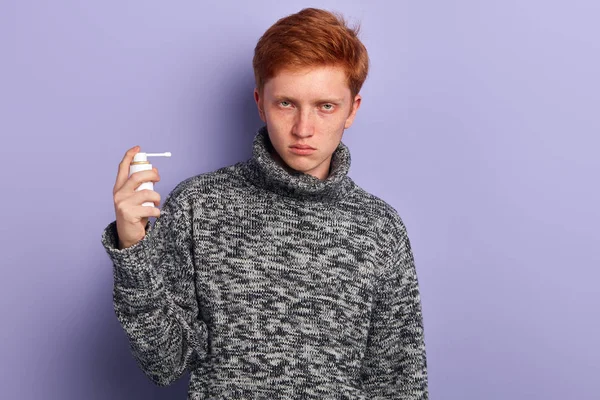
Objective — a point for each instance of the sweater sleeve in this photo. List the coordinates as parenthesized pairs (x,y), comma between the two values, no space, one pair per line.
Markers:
(154,295)
(395,365)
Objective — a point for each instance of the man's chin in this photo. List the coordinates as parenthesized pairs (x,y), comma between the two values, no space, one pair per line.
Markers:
(295,165)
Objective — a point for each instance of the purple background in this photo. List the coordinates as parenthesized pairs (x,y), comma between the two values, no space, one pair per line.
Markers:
(479,124)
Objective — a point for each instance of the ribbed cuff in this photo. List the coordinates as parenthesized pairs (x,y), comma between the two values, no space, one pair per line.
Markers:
(132,266)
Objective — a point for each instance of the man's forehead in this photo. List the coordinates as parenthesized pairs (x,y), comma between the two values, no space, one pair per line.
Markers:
(312,82)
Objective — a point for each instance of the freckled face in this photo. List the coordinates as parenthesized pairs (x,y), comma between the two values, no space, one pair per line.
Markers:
(307,107)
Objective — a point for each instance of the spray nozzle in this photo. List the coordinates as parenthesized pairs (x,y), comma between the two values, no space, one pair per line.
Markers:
(144,156)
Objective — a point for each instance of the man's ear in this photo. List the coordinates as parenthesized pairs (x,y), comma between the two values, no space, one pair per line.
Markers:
(353,110)
(259,104)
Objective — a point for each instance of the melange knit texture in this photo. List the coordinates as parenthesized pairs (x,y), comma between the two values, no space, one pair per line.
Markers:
(268,284)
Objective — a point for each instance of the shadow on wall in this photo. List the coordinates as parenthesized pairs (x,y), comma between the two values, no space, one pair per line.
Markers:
(111,369)
(234,114)
(105,366)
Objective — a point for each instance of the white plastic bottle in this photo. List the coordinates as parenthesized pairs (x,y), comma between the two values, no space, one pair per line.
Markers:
(140,163)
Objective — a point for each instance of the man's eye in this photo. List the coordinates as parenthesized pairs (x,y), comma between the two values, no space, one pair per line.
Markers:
(328,107)
(284,103)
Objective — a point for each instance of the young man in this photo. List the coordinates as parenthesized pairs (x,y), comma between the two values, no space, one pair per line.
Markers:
(277,277)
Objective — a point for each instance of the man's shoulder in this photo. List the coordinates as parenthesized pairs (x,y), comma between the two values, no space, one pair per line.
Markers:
(208,184)
(384,212)
(388,228)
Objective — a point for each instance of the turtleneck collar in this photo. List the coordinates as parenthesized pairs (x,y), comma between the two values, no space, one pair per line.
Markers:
(265,172)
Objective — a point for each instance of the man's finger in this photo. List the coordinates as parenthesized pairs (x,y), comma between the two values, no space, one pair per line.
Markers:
(123,172)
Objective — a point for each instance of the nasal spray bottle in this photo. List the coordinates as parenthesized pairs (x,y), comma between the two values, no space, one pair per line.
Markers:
(140,163)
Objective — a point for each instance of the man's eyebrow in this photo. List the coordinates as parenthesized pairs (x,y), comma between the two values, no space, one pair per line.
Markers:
(319,101)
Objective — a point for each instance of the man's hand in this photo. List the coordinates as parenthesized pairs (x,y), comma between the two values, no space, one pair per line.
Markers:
(131,215)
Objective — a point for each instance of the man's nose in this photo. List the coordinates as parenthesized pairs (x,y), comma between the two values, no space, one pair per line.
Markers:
(304,125)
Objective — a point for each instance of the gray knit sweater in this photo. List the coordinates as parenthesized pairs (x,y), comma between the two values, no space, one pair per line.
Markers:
(266,284)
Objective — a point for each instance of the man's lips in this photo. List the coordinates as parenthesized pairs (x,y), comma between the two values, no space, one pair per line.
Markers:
(302,149)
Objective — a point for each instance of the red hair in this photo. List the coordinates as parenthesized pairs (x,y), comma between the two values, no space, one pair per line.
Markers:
(311,37)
